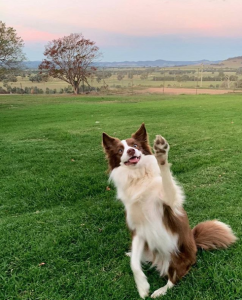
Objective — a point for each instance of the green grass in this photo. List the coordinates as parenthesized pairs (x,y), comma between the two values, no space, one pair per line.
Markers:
(55,208)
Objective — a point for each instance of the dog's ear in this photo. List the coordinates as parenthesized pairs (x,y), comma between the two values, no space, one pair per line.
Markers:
(141,134)
(108,141)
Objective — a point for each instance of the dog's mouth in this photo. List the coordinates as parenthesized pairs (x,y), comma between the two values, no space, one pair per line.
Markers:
(133,160)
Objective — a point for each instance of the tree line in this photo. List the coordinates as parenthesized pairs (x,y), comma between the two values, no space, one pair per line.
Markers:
(195,78)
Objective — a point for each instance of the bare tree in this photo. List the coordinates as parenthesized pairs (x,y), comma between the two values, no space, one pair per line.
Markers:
(70,59)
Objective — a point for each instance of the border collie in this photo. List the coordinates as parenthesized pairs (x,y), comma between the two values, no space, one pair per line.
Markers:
(153,203)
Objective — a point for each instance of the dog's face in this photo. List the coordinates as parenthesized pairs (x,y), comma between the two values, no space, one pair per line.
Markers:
(126,152)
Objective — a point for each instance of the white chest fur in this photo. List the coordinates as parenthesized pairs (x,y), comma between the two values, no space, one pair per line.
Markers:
(146,219)
(140,189)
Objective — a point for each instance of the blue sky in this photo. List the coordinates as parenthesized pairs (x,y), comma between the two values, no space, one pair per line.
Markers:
(132,29)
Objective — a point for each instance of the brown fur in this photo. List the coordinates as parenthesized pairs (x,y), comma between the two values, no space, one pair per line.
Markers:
(111,147)
(210,235)
(142,136)
(207,235)
(186,257)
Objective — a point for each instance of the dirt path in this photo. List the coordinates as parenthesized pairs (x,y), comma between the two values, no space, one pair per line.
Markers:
(178,91)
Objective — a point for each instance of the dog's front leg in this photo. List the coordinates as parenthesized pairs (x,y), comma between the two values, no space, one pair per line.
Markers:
(139,276)
(173,193)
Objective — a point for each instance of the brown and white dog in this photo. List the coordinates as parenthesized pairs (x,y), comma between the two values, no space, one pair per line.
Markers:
(154,211)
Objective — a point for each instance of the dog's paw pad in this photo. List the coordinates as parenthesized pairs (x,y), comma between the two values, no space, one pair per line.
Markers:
(161,149)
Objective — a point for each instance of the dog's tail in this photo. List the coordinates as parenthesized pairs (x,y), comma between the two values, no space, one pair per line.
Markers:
(210,235)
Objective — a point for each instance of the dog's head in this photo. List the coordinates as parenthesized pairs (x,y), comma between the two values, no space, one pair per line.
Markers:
(126,152)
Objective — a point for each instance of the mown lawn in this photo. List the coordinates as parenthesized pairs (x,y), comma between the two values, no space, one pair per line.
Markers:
(63,235)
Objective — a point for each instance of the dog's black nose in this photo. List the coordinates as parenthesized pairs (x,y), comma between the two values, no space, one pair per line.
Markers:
(131,152)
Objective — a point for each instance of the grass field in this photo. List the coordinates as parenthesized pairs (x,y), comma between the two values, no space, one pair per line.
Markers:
(63,235)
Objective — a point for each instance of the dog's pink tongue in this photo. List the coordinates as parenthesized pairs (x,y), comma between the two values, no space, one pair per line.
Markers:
(133,160)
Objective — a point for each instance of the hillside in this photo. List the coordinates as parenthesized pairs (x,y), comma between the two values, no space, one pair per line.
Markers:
(234,62)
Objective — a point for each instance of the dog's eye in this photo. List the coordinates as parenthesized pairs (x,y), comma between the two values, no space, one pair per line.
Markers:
(120,151)
(135,146)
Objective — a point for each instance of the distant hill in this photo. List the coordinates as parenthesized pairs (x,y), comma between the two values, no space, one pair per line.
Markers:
(154,63)
(32,64)
(147,63)
(234,62)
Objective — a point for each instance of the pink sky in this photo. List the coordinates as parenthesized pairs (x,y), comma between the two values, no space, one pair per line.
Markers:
(117,23)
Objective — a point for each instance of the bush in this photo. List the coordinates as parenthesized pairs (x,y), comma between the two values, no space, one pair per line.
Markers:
(238,84)
(2,91)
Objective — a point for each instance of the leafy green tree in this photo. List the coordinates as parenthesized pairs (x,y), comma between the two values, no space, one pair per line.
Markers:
(120,76)
(11,54)
(221,75)
(99,78)
(38,77)
(144,76)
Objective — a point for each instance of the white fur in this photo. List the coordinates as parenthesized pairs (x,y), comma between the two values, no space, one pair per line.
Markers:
(125,157)
(163,290)
(143,188)
(140,278)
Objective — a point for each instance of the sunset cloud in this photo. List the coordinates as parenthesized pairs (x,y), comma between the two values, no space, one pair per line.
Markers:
(34,35)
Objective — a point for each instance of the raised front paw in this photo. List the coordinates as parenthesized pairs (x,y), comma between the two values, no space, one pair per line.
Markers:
(161,149)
